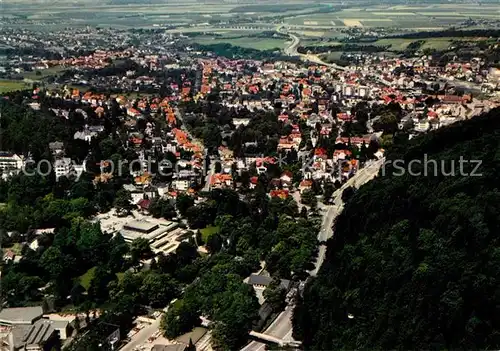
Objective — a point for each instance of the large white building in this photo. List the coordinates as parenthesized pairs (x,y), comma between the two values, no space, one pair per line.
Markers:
(10,164)
(10,161)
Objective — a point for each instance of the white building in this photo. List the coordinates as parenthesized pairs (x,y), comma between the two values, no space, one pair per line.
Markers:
(10,162)
(181,184)
(422,126)
(63,167)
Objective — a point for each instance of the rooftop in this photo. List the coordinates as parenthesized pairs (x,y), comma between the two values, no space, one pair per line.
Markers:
(177,347)
(256,279)
(142,226)
(20,315)
(39,332)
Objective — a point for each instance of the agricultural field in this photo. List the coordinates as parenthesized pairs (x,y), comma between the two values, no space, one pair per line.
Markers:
(243,40)
(400,44)
(40,74)
(423,17)
(313,17)
(12,85)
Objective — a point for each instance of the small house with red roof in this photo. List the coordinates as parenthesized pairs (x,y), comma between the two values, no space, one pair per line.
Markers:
(280,193)
(143,205)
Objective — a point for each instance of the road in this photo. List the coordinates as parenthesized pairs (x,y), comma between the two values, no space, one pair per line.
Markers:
(331,212)
(282,326)
(208,176)
(211,170)
(142,336)
(179,117)
(291,50)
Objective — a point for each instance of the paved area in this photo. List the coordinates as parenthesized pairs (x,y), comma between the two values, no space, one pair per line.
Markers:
(140,340)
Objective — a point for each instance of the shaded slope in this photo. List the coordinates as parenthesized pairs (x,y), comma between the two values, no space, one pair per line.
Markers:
(415,260)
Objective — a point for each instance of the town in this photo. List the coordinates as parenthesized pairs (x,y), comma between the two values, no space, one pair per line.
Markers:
(161,197)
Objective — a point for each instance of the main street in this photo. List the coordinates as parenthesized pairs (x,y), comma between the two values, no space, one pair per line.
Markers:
(282,326)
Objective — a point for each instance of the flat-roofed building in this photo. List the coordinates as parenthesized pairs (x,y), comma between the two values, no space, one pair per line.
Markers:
(39,336)
(10,164)
(20,315)
(148,230)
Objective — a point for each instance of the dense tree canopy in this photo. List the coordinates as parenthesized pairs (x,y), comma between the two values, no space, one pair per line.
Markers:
(414,262)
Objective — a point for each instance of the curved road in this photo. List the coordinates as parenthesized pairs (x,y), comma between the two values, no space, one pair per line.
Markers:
(291,50)
(282,326)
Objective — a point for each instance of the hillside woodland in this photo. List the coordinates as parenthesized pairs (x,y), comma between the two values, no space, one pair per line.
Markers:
(415,261)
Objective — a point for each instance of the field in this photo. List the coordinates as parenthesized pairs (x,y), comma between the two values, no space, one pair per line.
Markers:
(424,16)
(239,23)
(86,278)
(13,85)
(398,44)
(246,41)
(352,23)
(37,75)
(189,15)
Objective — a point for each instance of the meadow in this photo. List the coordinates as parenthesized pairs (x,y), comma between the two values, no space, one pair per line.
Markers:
(12,85)
(245,39)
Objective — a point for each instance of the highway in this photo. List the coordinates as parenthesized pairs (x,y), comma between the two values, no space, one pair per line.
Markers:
(291,50)
(282,325)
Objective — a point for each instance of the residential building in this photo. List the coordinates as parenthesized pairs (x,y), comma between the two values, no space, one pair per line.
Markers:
(10,163)
(63,167)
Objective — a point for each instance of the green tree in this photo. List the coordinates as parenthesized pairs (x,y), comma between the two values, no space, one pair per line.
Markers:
(183,202)
(414,272)
(180,318)
(123,202)
(307,197)
(158,289)
(275,295)
(140,250)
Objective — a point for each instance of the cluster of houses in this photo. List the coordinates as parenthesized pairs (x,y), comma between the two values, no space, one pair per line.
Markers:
(303,93)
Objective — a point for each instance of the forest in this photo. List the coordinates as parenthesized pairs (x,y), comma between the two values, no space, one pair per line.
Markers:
(414,261)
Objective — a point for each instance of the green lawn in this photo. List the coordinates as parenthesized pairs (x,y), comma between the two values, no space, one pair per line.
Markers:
(206,232)
(244,42)
(437,43)
(177,304)
(43,73)
(13,85)
(400,44)
(86,278)
(120,276)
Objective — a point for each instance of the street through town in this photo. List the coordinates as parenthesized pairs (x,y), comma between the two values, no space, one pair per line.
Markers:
(282,326)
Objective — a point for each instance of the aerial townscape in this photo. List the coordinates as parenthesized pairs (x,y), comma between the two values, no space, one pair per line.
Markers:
(249,175)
